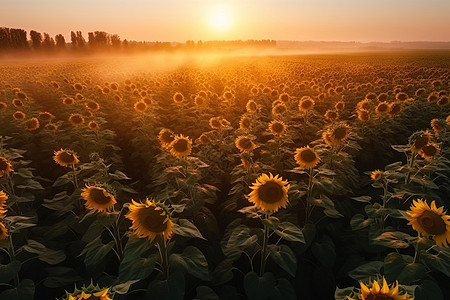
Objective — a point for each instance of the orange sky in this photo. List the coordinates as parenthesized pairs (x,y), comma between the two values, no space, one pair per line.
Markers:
(170,20)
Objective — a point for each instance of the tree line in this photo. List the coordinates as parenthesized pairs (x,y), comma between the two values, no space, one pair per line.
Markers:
(16,39)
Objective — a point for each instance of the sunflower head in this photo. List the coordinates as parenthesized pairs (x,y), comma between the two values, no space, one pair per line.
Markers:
(331,115)
(443,101)
(376,175)
(180,146)
(419,139)
(363,105)
(245,144)
(68,101)
(203,139)
(382,291)
(363,115)
(430,151)
(339,133)
(178,98)
(17,103)
(31,124)
(3,209)
(5,166)
(45,116)
(90,292)
(306,157)
(92,105)
(306,104)
(99,198)
(140,106)
(65,157)
(215,123)
(251,106)
(277,128)
(430,221)
(382,108)
(150,219)
(3,105)
(269,193)
(165,137)
(50,127)
(92,125)
(284,97)
(19,115)
(3,232)
(437,125)
(339,106)
(245,123)
(76,119)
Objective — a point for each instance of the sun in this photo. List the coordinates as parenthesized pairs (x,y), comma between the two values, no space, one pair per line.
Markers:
(220,18)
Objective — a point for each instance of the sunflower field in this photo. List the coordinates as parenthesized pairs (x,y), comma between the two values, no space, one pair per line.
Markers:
(284,177)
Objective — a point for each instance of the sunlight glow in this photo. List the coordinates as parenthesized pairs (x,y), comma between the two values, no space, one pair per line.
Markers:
(220,18)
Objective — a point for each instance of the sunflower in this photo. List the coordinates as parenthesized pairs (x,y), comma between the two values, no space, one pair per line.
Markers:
(17,103)
(251,106)
(31,124)
(437,126)
(92,105)
(245,144)
(443,101)
(277,127)
(215,123)
(245,163)
(363,115)
(306,157)
(429,151)
(178,97)
(339,134)
(380,293)
(3,105)
(180,146)
(50,127)
(76,119)
(199,100)
(45,116)
(3,232)
(149,220)
(376,175)
(382,108)
(79,96)
(3,209)
(326,136)
(92,125)
(306,104)
(68,101)
(65,157)
(19,115)
(279,109)
(245,123)
(331,115)
(363,105)
(284,97)
(395,108)
(430,221)
(86,294)
(165,137)
(382,97)
(447,120)
(419,140)
(140,106)
(98,198)
(269,193)
(203,139)
(224,122)
(5,166)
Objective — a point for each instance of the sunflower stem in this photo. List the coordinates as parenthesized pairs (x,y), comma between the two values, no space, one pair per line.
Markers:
(117,238)
(13,192)
(75,182)
(264,248)
(411,163)
(308,195)
(13,257)
(164,257)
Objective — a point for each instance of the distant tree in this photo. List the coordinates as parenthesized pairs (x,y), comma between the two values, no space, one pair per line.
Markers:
(73,40)
(81,42)
(60,41)
(48,43)
(36,39)
(5,40)
(18,38)
(115,41)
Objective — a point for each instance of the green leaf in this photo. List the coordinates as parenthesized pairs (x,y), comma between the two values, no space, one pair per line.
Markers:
(271,222)
(396,240)
(171,289)
(34,247)
(341,294)
(95,251)
(52,257)
(363,199)
(134,266)
(25,291)
(366,271)
(439,262)
(283,256)
(205,293)
(324,251)
(251,212)
(118,175)
(223,272)
(359,222)
(196,263)
(187,229)
(259,288)
(9,271)
(428,290)
(239,239)
(290,232)
(400,267)
(123,287)
(60,276)
(283,291)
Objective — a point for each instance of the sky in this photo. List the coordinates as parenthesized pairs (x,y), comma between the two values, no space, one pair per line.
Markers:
(170,20)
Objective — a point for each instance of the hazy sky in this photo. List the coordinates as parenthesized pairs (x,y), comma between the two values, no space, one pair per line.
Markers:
(170,20)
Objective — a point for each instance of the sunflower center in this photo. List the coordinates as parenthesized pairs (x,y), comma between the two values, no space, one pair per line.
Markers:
(421,141)
(3,165)
(98,196)
(430,150)
(306,104)
(66,157)
(77,119)
(432,223)
(340,133)
(277,127)
(270,192)
(181,145)
(307,155)
(382,107)
(167,137)
(379,297)
(140,106)
(153,220)
(246,123)
(245,143)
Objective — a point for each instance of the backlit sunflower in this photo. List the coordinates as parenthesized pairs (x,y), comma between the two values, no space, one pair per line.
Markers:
(306,157)
(92,105)
(331,115)
(339,134)
(363,105)
(180,146)
(65,157)
(363,115)
(251,106)
(215,123)
(284,97)
(50,127)
(269,193)
(17,103)
(92,125)
(165,137)
(447,120)
(326,136)
(140,106)
(68,101)
(203,139)
(382,108)
(429,151)
(277,127)
(45,116)
(5,166)
(245,123)
(76,119)
(3,209)
(19,115)
(376,175)
(149,220)
(3,232)
(430,221)
(279,109)
(98,198)
(178,97)
(245,144)
(419,139)
(306,104)
(375,292)
(437,125)
(3,105)
(339,106)
(31,124)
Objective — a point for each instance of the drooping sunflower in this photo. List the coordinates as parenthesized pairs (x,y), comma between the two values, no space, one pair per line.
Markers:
(306,157)
(65,157)
(3,232)
(277,127)
(180,146)
(215,123)
(382,108)
(140,106)
(306,104)
(203,139)
(430,151)
(149,220)
(251,106)
(245,123)
(363,115)
(245,144)
(437,125)
(375,292)
(3,198)
(98,198)
(19,115)
(419,139)
(376,175)
(430,221)
(269,193)
(331,115)
(31,124)
(165,137)
(5,166)
(76,119)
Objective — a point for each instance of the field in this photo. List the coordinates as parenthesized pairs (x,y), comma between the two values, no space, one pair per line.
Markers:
(194,176)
